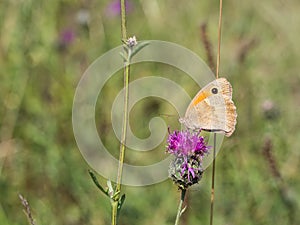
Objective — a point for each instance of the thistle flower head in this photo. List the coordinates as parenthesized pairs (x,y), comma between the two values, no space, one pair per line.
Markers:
(189,149)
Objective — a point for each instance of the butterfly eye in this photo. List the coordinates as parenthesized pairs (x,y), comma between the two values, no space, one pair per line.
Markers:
(214,90)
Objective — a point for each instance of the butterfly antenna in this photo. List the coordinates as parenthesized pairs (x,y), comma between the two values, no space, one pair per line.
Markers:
(215,135)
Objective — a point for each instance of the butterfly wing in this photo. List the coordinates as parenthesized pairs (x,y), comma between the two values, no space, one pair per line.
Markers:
(212,109)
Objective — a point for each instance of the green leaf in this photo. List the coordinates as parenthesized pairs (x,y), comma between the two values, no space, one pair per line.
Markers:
(94,178)
(183,210)
(123,56)
(120,204)
(138,48)
(115,196)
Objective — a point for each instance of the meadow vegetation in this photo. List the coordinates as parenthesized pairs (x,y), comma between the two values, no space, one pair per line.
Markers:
(45,46)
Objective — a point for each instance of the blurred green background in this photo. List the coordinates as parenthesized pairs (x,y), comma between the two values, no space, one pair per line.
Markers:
(45,46)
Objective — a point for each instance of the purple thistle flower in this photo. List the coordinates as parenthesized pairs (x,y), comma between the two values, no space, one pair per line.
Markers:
(189,149)
(187,169)
(186,143)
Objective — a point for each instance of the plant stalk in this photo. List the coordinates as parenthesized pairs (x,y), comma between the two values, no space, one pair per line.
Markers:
(115,202)
(179,211)
(219,40)
(123,20)
(114,212)
(215,135)
(124,127)
(212,197)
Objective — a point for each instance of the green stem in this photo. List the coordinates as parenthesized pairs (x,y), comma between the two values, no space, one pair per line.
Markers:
(124,127)
(212,197)
(114,212)
(179,211)
(126,73)
(126,82)
(215,135)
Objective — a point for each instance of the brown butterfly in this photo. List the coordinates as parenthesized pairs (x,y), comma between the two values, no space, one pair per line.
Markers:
(212,109)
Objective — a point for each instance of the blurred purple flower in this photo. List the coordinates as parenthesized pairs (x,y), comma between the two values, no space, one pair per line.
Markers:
(65,38)
(114,8)
(189,149)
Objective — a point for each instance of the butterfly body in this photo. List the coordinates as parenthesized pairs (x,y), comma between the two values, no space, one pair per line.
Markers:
(212,109)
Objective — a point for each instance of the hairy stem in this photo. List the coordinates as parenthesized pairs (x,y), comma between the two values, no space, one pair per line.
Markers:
(123,20)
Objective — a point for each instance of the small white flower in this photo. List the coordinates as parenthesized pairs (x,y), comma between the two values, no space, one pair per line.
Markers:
(131,42)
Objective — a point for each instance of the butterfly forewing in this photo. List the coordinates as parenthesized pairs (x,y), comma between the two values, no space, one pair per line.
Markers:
(212,108)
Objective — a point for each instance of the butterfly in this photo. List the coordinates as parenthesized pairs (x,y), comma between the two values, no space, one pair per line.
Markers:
(212,109)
